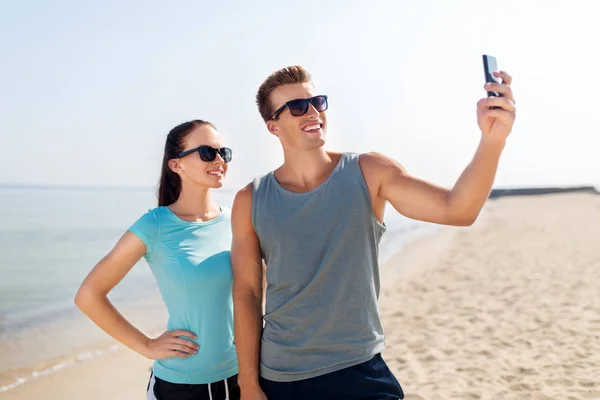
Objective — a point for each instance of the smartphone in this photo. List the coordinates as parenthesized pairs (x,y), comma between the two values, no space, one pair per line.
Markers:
(489,66)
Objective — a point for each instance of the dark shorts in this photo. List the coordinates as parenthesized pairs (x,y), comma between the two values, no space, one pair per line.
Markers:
(371,380)
(221,390)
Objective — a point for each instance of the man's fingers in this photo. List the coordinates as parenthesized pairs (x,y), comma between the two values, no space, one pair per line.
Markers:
(504,90)
(505,117)
(506,78)
(502,102)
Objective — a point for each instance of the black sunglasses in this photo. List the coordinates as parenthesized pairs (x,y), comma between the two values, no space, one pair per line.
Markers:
(299,107)
(208,154)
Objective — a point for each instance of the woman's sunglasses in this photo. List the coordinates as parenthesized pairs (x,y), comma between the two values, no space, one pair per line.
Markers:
(208,154)
(299,107)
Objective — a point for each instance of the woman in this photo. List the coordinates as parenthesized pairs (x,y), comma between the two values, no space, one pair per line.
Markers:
(186,241)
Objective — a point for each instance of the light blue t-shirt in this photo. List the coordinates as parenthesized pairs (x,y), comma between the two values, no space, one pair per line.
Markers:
(192,266)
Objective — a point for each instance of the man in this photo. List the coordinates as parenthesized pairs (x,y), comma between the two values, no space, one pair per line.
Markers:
(317,221)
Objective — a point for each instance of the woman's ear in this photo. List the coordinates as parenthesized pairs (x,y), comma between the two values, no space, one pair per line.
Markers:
(175,166)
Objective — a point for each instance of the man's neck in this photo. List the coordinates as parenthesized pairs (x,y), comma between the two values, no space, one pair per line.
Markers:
(306,170)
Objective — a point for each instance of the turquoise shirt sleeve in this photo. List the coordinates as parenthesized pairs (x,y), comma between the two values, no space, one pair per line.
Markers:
(147,229)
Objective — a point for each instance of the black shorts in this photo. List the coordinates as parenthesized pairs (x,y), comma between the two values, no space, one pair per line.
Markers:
(227,389)
(367,381)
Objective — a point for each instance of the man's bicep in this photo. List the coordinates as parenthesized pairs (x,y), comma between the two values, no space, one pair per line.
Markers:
(417,199)
(246,256)
(411,196)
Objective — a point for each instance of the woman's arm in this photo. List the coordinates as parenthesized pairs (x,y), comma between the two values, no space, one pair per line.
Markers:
(92,300)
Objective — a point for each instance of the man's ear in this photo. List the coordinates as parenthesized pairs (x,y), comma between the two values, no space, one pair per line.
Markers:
(273,127)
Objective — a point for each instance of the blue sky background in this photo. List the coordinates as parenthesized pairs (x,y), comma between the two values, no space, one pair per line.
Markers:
(89,90)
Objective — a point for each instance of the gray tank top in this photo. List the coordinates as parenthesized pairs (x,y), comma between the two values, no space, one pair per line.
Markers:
(321,251)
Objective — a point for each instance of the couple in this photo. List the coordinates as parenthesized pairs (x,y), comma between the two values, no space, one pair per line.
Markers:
(316,221)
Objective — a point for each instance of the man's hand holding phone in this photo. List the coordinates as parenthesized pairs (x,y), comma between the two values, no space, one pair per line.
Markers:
(496,113)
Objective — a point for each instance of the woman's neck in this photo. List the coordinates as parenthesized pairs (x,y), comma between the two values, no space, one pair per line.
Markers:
(195,204)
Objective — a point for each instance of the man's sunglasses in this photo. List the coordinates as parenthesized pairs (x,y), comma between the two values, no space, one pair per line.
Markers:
(208,154)
(299,107)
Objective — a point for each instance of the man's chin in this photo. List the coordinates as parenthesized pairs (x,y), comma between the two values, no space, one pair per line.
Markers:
(317,142)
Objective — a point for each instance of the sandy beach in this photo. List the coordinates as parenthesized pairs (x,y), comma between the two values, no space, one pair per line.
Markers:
(506,309)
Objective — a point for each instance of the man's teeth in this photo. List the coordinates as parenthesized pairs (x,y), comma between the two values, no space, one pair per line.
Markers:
(312,127)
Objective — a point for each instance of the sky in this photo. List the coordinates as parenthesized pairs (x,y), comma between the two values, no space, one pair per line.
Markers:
(89,90)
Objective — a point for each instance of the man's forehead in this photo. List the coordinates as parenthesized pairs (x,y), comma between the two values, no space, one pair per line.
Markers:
(285,93)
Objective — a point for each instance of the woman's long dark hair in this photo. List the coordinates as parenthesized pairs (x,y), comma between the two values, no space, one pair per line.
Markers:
(170,183)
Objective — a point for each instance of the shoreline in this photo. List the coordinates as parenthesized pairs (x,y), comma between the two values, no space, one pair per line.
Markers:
(88,343)
(126,371)
(51,367)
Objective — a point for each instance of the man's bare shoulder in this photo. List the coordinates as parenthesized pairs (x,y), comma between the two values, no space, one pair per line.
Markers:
(243,196)
(375,162)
